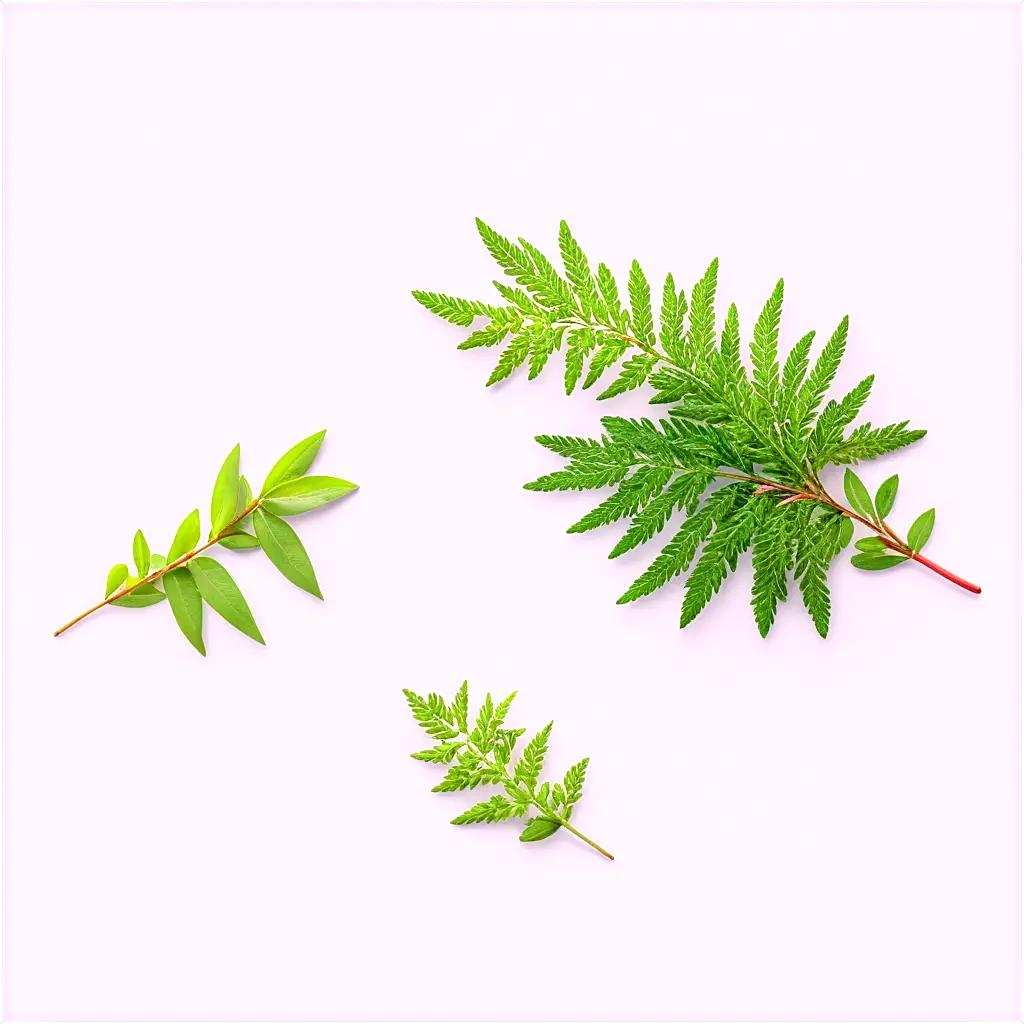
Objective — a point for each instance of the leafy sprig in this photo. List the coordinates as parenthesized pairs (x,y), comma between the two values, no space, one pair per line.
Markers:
(764,434)
(483,753)
(187,579)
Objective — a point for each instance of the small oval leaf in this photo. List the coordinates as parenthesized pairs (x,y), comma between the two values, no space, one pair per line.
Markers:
(537,829)
(294,462)
(877,562)
(186,606)
(872,545)
(885,498)
(240,541)
(141,597)
(221,593)
(140,552)
(285,550)
(845,532)
(857,495)
(116,577)
(294,497)
(921,530)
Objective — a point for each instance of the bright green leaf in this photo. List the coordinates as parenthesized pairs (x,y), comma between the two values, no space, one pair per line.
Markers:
(141,597)
(244,494)
(294,462)
(115,578)
(857,495)
(872,545)
(285,550)
(876,562)
(186,605)
(239,540)
(921,530)
(156,562)
(294,497)
(845,532)
(886,496)
(537,829)
(221,593)
(186,538)
(225,493)
(140,552)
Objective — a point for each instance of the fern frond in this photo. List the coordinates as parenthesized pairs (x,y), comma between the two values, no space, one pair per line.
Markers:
(482,756)
(768,433)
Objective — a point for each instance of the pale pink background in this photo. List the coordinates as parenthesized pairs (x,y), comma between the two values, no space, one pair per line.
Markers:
(214,218)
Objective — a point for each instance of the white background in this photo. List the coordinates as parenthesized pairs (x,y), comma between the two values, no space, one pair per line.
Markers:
(214,216)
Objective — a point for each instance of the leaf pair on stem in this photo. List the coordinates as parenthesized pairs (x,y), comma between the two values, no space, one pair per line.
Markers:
(188,579)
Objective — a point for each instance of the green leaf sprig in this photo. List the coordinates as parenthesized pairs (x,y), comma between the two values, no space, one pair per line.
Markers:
(768,433)
(484,754)
(186,578)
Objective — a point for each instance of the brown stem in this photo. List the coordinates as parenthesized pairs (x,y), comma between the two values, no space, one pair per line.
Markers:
(155,575)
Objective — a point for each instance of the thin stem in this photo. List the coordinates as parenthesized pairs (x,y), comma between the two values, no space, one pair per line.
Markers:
(587,840)
(163,570)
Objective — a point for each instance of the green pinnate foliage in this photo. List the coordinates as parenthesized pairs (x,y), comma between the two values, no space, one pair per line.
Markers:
(481,751)
(736,461)
(190,580)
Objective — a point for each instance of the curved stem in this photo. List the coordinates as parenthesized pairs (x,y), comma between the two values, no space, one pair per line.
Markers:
(163,570)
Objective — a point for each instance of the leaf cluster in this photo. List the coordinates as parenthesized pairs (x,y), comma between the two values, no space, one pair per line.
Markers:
(239,521)
(738,453)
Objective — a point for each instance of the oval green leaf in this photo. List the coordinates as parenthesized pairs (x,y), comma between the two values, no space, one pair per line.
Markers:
(294,497)
(921,530)
(221,593)
(845,532)
(872,545)
(285,550)
(141,597)
(244,494)
(115,578)
(885,497)
(857,495)
(156,562)
(186,538)
(140,552)
(186,606)
(877,562)
(225,493)
(294,462)
(537,829)
(240,541)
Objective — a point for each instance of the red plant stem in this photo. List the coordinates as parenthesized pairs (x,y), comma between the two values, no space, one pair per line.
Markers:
(946,574)
(892,541)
